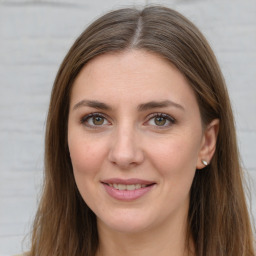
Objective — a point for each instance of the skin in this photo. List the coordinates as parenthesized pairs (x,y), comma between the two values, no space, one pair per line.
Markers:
(127,142)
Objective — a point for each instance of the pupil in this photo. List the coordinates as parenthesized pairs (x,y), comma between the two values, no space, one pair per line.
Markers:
(160,121)
(98,120)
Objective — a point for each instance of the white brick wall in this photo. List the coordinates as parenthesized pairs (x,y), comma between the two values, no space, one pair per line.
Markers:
(35,36)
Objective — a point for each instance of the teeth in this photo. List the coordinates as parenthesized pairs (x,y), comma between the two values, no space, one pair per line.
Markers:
(131,187)
(127,187)
(121,186)
(138,186)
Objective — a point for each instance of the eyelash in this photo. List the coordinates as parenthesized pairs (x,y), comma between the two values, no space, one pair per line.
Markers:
(84,120)
(162,115)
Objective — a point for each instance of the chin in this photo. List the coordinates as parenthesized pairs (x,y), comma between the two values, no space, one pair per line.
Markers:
(126,224)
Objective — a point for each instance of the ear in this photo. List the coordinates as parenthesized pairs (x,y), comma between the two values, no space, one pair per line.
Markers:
(208,144)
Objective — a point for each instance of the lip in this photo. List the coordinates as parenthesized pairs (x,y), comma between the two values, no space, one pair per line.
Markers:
(128,181)
(127,195)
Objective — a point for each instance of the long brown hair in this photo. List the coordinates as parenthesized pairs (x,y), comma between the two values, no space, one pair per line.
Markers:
(218,220)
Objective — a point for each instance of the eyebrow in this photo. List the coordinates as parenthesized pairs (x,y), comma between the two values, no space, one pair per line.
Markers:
(92,104)
(141,107)
(161,104)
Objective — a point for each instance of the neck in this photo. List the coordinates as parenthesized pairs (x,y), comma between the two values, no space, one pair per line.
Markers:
(164,240)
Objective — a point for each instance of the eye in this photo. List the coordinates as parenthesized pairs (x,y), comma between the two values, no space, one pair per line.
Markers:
(95,119)
(160,120)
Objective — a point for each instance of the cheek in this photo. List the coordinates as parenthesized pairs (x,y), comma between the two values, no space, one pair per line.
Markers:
(86,155)
(175,153)
(176,158)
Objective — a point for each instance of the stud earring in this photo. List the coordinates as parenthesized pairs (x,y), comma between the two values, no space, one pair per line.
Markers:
(204,163)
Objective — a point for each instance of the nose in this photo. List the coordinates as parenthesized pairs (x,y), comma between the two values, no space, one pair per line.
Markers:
(125,151)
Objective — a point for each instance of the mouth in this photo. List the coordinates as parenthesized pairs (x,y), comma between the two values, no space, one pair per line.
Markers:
(127,190)
(129,187)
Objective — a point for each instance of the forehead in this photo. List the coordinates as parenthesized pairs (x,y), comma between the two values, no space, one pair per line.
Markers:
(130,77)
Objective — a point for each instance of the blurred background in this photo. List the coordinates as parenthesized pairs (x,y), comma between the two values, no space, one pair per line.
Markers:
(34,38)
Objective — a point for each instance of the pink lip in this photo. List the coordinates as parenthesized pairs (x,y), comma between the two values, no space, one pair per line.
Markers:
(128,181)
(127,195)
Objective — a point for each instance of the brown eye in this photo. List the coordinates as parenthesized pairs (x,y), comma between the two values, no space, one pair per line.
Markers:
(95,120)
(160,121)
(98,120)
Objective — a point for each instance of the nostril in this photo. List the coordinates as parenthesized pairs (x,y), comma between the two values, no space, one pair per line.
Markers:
(124,151)
(123,159)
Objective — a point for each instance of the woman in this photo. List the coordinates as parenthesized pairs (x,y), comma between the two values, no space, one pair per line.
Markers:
(141,155)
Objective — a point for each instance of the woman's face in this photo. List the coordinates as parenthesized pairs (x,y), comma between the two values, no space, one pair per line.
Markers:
(135,139)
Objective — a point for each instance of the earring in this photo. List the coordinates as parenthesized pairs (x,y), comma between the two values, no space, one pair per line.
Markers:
(204,163)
